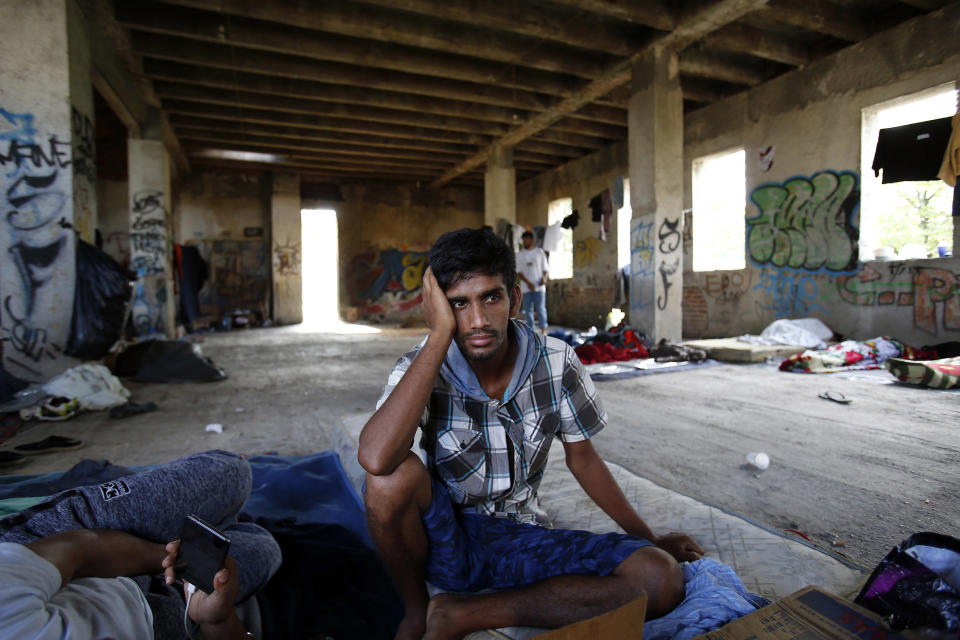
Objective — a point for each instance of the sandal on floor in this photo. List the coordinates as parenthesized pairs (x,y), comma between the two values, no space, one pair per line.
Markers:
(132,409)
(11,459)
(48,445)
(835,396)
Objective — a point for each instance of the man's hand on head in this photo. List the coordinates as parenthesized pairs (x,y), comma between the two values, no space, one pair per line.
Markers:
(681,546)
(436,308)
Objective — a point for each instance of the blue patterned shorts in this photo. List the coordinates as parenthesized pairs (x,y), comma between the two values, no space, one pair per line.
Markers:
(470,552)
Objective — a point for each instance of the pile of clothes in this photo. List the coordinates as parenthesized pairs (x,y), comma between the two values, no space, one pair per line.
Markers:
(616,344)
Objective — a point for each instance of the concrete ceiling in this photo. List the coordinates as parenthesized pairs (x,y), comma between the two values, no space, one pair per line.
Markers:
(421,90)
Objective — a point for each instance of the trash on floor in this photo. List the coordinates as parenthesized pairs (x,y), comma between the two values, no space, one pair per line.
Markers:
(215,427)
(166,361)
(93,386)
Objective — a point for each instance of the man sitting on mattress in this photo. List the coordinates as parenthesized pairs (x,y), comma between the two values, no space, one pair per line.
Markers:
(490,394)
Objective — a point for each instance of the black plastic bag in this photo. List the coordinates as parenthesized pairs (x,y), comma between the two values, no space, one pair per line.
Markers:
(917,585)
(166,361)
(103,291)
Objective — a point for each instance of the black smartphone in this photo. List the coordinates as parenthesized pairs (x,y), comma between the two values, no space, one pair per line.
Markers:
(203,550)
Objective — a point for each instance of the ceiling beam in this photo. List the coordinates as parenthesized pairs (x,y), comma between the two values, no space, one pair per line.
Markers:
(165,55)
(651,13)
(545,23)
(180,122)
(246,114)
(744,39)
(294,20)
(153,33)
(463,122)
(694,63)
(693,25)
(309,90)
(819,16)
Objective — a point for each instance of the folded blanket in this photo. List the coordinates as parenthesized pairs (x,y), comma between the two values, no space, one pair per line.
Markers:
(714,596)
(938,374)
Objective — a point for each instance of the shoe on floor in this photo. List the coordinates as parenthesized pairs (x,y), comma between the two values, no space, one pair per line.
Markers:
(53,410)
(48,445)
(11,459)
(132,409)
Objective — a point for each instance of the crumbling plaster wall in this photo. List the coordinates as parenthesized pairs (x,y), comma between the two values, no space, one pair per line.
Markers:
(384,234)
(812,120)
(587,297)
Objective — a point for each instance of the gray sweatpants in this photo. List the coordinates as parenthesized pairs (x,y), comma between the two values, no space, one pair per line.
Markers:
(152,504)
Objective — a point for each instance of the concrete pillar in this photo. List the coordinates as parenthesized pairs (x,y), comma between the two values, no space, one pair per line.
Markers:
(47,179)
(655,143)
(286,238)
(151,237)
(500,188)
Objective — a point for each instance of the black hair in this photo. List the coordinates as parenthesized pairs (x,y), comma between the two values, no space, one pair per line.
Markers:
(526,234)
(457,254)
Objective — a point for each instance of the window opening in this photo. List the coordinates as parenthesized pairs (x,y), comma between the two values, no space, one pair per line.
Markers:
(560,261)
(719,200)
(912,219)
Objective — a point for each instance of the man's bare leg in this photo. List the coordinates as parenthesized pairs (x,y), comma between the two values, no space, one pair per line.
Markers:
(562,600)
(394,504)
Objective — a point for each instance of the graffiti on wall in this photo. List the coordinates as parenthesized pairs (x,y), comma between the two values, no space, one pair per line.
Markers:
(670,239)
(803,227)
(148,233)
(806,223)
(387,281)
(239,275)
(642,270)
(37,257)
(792,295)
(926,289)
(586,252)
(286,258)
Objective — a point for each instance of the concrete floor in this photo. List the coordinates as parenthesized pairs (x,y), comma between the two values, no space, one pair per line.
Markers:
(863,475)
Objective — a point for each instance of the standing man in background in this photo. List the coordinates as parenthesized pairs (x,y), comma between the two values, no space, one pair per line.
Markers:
(532,269)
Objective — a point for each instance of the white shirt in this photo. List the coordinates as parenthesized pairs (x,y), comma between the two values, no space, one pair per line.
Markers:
(532,263)
(34,607)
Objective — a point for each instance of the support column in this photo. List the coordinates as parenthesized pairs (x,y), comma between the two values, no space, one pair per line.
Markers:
(151,237)
(47,179)
(286,237)
(656,196)
(500,188)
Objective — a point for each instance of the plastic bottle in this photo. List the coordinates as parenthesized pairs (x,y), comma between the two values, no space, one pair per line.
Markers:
(759,460)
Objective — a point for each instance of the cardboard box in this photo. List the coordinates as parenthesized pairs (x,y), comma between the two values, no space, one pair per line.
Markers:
(625,622)
(805,615)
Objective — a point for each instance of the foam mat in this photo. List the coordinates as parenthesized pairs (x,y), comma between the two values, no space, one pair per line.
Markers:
(769,562)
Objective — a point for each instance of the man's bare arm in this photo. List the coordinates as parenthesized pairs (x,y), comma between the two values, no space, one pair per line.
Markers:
(387,436)
(98,553)
(597,481)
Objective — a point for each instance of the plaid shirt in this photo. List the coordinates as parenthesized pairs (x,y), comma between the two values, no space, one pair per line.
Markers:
(490,454)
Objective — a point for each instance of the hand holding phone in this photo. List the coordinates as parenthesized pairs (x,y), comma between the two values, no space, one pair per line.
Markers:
(203,550)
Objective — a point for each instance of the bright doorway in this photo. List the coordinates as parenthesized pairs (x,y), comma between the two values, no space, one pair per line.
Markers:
(321,300)
(321,274)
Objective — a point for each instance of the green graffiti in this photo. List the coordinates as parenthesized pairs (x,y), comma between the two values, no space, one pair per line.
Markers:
(806,223)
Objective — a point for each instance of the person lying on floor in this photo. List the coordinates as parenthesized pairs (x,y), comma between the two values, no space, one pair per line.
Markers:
(489,395)
(93,562)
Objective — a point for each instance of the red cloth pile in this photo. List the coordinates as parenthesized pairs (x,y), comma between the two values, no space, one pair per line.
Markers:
(606,352)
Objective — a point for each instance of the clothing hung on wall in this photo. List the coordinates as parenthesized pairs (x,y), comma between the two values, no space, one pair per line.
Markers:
(950,169)
(911,152)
